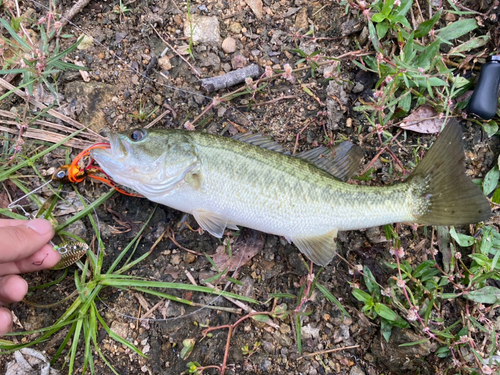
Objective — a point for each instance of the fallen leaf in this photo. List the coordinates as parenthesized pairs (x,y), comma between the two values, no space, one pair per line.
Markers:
(423,120)
(245,248)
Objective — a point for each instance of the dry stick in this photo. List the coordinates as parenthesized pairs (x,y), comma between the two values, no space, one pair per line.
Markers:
(43,123)
(177,53)
(244,306)
(328,351)
(380,153)
(172,238)
(230,332)
(157,119)
(60,116)
(232,78)
(73,12)
(50,137)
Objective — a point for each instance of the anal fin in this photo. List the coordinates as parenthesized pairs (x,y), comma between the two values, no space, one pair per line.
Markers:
(213,223)
(320,249)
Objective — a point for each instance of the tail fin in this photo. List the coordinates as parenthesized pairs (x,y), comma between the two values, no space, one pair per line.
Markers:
(449,196)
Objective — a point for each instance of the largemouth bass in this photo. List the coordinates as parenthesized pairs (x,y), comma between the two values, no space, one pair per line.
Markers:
(225,182)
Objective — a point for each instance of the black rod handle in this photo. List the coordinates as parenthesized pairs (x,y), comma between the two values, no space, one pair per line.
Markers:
(484,100)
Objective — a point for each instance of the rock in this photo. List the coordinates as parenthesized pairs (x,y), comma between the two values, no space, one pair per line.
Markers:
(351,26)
(211,59)
(398,359)
(301,21)
(268,347)
(94,98)
(121,329)
(86,43)
(283,340)
(356,370)
(229,45)
(336,107)
(309,332)
(256,6)
(203,29)
(239,61)
(189,257)
(235,28)
(164,63)
(175,259)
(358,87)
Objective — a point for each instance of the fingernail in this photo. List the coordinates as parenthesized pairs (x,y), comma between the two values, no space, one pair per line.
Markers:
(41,226)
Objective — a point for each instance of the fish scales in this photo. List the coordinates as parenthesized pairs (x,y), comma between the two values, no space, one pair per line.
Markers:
(225,182)
(278,194)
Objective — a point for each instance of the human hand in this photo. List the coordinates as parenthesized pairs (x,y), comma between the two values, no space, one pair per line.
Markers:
(23,248)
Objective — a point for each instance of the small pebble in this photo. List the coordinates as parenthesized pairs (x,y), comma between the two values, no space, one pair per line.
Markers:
(229,45)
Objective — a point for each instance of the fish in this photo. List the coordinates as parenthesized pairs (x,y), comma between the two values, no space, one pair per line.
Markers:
(251,182)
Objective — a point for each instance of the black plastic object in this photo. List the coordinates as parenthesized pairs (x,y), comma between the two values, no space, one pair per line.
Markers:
(484,100)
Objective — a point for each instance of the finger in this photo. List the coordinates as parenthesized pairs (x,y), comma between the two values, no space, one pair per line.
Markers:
(22,240)
(5,321)
(13,288)
(44,258)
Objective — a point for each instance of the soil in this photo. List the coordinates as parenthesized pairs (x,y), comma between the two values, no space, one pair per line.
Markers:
(125,79)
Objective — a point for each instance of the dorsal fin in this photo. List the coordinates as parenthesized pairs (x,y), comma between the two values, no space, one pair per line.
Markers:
(261,141)
(342,161)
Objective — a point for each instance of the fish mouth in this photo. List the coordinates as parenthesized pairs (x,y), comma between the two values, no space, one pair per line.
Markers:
(116,150)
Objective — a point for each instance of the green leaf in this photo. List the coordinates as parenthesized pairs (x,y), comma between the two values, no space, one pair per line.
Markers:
(378,17)
(402,20)
(426,26)
(362,296)
(332,298)
(424,59)
(490,128)
(443,352)
(261,318)
(481,259)
(188,346)
(487,240)
(423,267)
(413,343)
(382,28)
(386,329)
(385,312)
(491,180)
(371,283)
(457,29)
(388,5)
(496,196)
(470,44)
(405,103)
(404,7)
(488,294)
(375,41)
(462,239)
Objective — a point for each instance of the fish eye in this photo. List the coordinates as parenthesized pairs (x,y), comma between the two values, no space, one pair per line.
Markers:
(137,135)
(61,174)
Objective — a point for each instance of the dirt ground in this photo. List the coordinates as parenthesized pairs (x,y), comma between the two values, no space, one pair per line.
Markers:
(313,108)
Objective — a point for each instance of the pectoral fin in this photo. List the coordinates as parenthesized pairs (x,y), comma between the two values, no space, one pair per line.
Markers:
(321,249)
(213,223)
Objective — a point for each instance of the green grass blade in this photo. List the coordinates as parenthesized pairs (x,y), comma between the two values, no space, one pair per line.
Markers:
(330,297)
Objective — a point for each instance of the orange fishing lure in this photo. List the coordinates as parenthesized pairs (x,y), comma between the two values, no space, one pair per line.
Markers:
(74,173)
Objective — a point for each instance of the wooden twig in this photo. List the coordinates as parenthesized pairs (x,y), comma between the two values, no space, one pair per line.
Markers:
(232,78)
(75,9)
(52,112)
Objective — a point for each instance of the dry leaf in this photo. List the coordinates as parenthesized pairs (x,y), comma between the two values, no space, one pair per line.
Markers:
(424,119)
(243,250)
